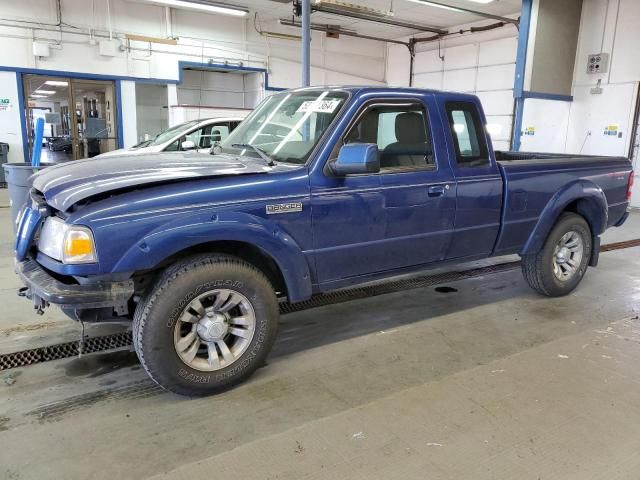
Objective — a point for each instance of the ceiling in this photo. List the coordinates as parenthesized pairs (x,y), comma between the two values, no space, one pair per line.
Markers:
(404,10)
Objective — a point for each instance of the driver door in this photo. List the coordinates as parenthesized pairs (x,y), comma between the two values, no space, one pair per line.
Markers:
(400,217)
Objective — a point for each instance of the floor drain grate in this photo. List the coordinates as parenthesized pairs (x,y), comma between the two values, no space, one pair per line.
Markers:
(64,350)
(119,340)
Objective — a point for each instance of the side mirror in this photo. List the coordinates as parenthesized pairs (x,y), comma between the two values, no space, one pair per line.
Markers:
(357,158)
(187,145)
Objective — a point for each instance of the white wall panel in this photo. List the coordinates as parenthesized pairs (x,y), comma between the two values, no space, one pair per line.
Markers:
(498,102)
(464,56)
(398,66)
(499,127)
(590,114)
(625,66)
(460,80)
(496,78)
(10,128)
(428,61)
(428,80)
(498,51)
(550,122)
(129,121)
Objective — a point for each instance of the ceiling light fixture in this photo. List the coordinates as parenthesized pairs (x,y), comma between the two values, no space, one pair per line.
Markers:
(352,7)
(45,92)
(56,83)
(38,96)
(204,6)
(451,8)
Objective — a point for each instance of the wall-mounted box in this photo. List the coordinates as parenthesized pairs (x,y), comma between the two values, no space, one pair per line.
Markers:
(597,63)
(41,49)
(108,48)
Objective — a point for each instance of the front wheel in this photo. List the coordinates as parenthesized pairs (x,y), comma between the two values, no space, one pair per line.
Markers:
(558,268)
(206,325)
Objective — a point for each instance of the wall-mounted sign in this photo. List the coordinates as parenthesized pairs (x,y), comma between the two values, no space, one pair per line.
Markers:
(612,131)
(531,131)
(5,104)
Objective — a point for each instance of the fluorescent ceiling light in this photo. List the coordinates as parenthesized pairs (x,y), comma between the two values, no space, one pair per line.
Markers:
(56,83)
(38,96)
(204,6)
(447,7)
(45,92)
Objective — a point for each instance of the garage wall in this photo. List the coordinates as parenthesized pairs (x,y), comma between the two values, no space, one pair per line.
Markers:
(203,38)
(482,64)
(608,26)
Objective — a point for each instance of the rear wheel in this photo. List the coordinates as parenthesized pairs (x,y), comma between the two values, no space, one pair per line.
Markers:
(560,265)
(207,324)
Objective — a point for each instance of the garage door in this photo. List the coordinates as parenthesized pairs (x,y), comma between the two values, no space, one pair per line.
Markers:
(486,69)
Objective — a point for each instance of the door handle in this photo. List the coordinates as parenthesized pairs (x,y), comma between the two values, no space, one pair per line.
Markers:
(436,191)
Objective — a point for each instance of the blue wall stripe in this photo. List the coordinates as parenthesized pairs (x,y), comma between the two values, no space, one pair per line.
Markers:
(547,96)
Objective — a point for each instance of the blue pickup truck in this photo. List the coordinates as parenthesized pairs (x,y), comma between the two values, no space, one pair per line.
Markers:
(319,188)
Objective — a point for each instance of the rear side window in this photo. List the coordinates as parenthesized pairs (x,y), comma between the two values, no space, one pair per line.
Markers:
(468,135)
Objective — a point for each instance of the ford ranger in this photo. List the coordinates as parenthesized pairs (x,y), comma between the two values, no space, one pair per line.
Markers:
(318,189)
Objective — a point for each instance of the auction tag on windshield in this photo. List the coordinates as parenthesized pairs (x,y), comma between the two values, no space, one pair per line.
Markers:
(318,106)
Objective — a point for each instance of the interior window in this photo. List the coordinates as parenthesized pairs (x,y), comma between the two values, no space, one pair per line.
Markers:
(468,135)
(401,133)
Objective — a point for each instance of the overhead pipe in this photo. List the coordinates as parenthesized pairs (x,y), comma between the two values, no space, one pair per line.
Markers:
(329,29)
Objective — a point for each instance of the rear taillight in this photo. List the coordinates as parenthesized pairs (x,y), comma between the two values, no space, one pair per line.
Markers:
(630,186)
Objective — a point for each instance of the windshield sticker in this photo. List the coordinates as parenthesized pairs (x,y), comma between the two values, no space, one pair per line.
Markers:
(322,106)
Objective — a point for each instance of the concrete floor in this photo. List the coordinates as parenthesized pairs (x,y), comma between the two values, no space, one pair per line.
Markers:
(491,381)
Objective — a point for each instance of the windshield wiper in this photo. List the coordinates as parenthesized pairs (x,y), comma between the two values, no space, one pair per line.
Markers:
(258,150)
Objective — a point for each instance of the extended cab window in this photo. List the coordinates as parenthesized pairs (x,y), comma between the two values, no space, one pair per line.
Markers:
(468,135)
(401,133)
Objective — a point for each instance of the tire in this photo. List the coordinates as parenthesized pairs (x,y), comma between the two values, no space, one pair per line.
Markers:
(183,301)
(544,270)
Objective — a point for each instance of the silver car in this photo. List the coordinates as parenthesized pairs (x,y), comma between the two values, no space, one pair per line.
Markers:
(198,135)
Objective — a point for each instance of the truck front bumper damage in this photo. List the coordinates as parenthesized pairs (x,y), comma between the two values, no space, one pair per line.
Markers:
(43,288)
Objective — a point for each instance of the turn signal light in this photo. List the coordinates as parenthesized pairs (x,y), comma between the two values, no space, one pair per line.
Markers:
(78,247)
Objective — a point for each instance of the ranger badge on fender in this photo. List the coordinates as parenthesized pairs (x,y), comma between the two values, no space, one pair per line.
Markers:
(284,208)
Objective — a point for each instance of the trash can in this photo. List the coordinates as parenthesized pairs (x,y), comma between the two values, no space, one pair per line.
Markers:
(4,154)
(17,178)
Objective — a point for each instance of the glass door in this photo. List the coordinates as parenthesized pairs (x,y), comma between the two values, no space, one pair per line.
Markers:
(94,118)
(48,97)
(80,116)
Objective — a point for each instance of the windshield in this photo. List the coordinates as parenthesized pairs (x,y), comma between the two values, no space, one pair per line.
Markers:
(286,126)
(173,132)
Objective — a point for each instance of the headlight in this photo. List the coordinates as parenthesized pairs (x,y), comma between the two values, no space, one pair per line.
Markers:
(67,243)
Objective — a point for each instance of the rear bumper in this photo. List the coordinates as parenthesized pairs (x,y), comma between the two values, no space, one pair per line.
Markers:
(42,287)
(622,219)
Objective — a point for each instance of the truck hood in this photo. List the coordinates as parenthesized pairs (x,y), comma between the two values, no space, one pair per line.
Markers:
(65,184)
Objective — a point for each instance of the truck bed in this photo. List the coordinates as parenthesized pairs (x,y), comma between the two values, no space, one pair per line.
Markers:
(532,181)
